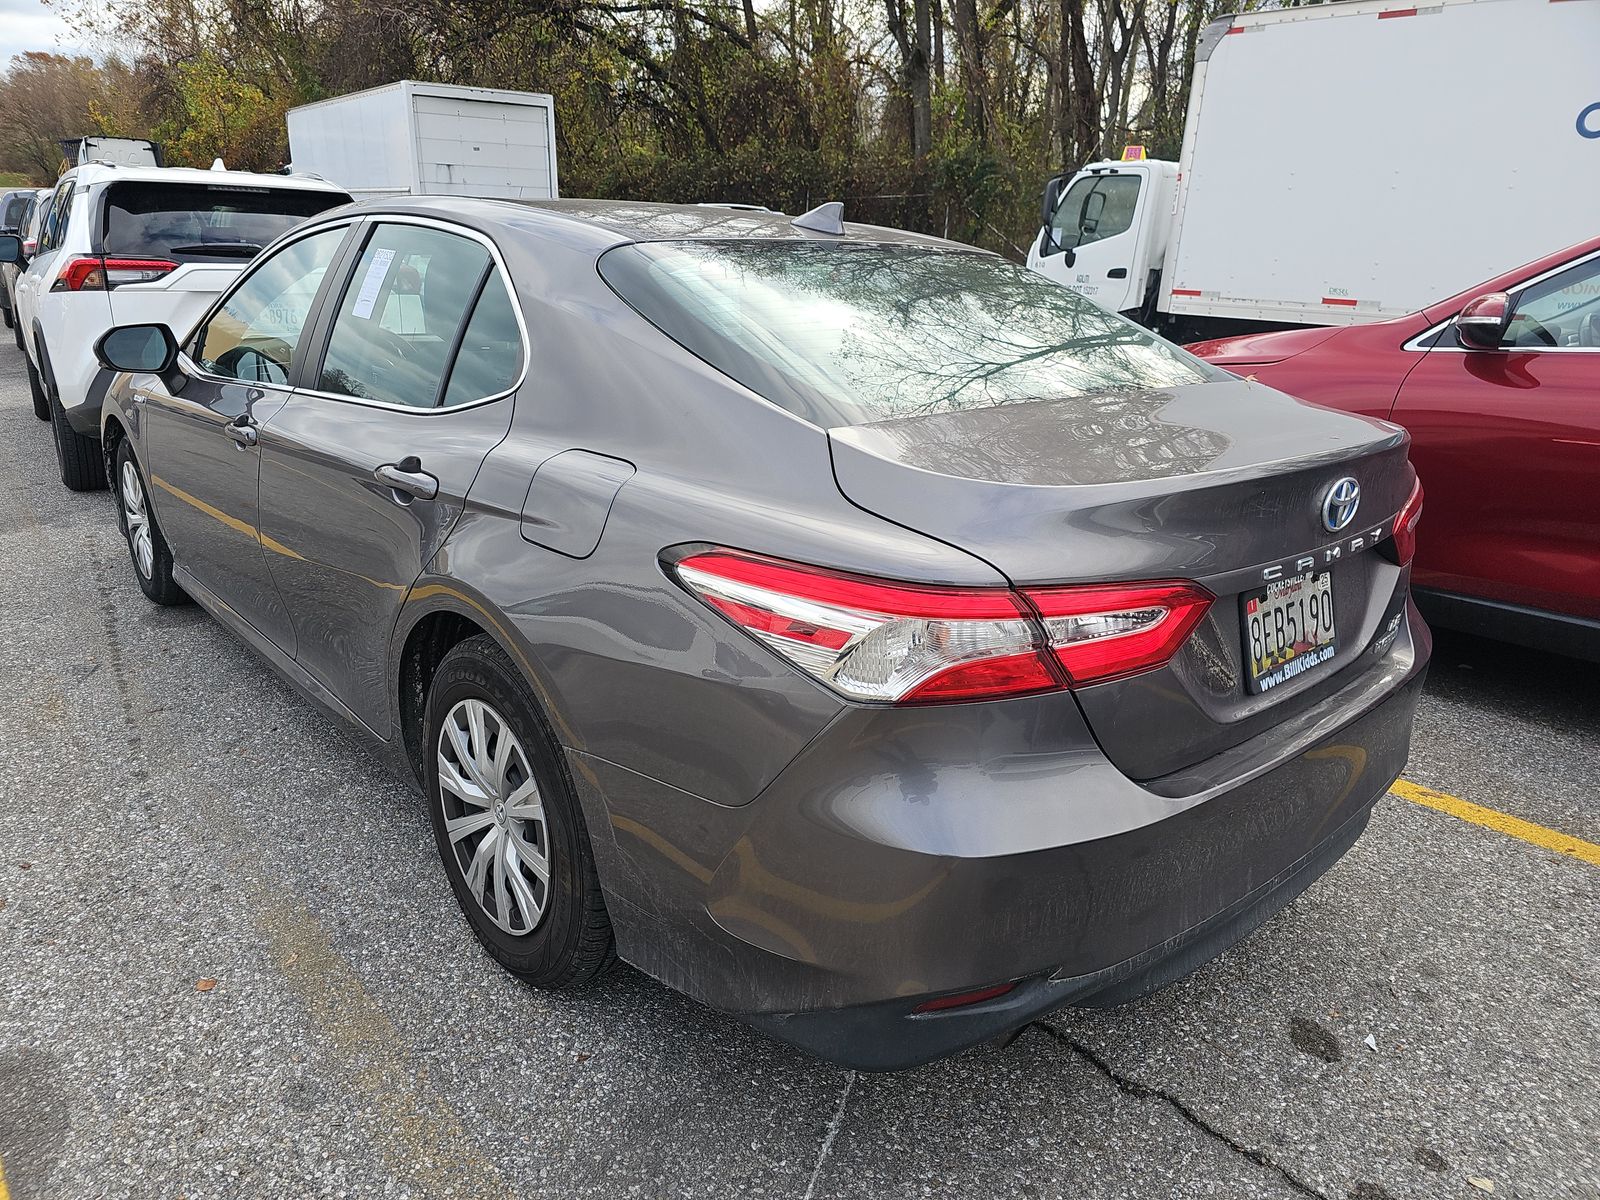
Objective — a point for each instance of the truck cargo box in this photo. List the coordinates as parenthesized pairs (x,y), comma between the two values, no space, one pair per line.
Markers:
(430,139)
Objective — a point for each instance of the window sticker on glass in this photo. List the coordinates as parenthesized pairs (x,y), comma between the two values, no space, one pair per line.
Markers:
(372,284)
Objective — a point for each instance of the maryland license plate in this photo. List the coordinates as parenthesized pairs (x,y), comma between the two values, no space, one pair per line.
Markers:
(1288,629)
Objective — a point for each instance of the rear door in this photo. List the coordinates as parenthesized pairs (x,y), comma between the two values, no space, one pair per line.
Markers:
(1507,444)
(171,247)
(367,467)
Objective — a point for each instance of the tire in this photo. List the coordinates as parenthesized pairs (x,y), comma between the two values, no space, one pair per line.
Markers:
(6,313)
(82,465)
(41,402)
(16,336)
(567,942)
(150,555)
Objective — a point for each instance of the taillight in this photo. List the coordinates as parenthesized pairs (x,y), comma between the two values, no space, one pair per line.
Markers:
(904,643)
(1104,632)
(103,274)
(1405,526)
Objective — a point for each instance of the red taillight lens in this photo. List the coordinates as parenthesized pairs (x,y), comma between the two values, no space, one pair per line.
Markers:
(872,639)
(102,274)
(903,643)
(962,999)
(81,275)
(1108,631)
(1405,526)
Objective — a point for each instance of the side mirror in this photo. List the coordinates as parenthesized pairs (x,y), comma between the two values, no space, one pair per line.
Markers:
(1052,194)
(1047,212)
(11,249)
(1482,324)
(147,348)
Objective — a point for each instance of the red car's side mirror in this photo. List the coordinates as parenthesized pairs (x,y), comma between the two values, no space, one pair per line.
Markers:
(1482,323)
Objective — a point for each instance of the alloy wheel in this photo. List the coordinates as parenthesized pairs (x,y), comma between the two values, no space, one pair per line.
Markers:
(494,816)
(138,520)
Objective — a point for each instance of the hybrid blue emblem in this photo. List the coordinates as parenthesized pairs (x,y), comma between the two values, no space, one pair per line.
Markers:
(1340,504)
(1589,121)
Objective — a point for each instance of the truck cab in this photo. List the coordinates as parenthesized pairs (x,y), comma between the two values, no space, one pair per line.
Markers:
(1103,232)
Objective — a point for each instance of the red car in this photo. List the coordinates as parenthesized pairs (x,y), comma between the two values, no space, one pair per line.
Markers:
(1500,388)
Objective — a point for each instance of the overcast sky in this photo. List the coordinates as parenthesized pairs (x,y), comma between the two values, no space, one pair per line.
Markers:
(29,25)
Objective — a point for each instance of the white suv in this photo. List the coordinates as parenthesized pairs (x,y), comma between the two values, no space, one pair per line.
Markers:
(132,245)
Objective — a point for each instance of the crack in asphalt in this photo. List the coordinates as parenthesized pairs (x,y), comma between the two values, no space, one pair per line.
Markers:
(831,1133)
(1143,1091)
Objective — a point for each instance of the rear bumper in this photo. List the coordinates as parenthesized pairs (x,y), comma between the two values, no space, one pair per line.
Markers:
(908,854)
(889,1036)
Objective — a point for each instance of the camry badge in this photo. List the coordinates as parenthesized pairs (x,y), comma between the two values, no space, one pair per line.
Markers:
(1340,504)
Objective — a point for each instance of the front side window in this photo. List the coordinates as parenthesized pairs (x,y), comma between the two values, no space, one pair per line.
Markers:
(188,222)
(1564,310)
(254,334)
(408,298)
(850,334)
(1094,208)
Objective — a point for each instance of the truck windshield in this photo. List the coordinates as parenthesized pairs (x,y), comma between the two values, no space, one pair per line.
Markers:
(185,222)
(847,334)
(1094,208)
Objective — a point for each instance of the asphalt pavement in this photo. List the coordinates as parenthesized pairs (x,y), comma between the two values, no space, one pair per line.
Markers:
(230,966)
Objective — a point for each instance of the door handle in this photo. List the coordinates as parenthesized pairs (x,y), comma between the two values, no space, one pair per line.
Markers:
(408,477)
(1117,273)
(243,431)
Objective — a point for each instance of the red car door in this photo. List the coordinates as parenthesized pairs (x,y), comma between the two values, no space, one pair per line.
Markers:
(1507,445)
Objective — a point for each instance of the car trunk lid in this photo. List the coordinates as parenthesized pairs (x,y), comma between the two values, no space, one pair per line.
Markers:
(1220,483)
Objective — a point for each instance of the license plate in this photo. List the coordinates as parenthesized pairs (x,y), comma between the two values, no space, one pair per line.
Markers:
(1288,629)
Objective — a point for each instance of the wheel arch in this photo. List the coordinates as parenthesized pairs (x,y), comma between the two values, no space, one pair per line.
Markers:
(439,614)
(112,434)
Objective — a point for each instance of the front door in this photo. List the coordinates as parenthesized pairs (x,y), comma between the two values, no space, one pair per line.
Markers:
(1096,219)
(368,466)
(1507,445)
(201,440)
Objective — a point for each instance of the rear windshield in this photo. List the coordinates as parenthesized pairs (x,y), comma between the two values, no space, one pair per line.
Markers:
(186,222)
(847,334)
(12,208)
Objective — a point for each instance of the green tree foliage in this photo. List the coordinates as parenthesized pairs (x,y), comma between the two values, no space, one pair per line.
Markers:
(940,115)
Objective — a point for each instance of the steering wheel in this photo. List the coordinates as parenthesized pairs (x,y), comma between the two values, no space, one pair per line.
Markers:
(1526,329)
(265,368)
(397,347)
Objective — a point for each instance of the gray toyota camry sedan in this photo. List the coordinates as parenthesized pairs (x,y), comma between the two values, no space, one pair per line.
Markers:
(850,629)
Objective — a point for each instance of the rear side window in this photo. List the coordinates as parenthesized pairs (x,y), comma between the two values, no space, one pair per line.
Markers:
(403,311)
(185,222)
(11,213)
(490,358)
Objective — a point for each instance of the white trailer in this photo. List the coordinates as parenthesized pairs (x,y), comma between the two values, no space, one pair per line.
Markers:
(430,139)
(1344,163)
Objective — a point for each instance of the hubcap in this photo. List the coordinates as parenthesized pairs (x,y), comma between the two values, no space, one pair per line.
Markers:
(494,816)
(144,551)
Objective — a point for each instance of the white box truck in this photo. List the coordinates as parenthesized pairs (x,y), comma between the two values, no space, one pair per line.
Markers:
(1344,163)
(430,139)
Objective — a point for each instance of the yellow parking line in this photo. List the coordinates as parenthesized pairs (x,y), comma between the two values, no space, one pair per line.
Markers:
(5,1192)
(1489,818)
